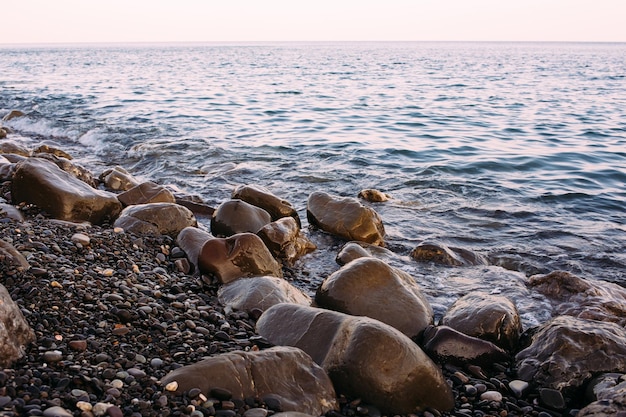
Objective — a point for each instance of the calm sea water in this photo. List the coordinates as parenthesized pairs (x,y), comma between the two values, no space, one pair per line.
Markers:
(514,150)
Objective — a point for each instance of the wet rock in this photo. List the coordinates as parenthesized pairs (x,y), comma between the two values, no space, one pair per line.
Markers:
(486,316)
(567,351)
(155,218)
(373,195)
(145,193)
(370,287)
(63,196)
(7,169)
(3,132)
(15,332)
(8,211)
(574,296)
(51,150)
(353,250)
(441,254)
(237,216)
(13,148)
(260,293)
(345,217)
(285,240)
(450,346)
(364,358)
(13,114)
(241,255)
(11,258)
(71,168)
(118,179)
(191,240)
(287,373)
(262,197)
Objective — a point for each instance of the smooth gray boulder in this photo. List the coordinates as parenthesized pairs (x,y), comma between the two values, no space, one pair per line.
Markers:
(345,217)
(191,240)
(260,293)
(40,182)
(370,287)
(490,317)
(156,218)
(364,358)
(287,373)
(15,332)
(568,351)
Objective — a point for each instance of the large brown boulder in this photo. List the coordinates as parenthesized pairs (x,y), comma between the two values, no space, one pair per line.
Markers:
(370,287)
(287,373)
(260,293)
(13,148)
(155,218)
(364,358)
(345,217)
(490,317)
(285,240)
(63,196)
(262,197)
(71,168)
(145,193)
(445,255)
(574,296)
(568,351)
(15,333)
(237,216)
(241,255)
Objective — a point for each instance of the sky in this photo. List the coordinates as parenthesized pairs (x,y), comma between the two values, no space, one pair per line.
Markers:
(70,21)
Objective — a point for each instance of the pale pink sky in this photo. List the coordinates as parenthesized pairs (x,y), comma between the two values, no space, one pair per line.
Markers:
(42,21)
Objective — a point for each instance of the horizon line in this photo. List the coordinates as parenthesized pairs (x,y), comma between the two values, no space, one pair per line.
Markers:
(181,42)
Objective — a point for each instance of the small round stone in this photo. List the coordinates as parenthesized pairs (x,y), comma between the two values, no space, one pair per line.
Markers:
(172,386)
(255,412)
(52,356)
(84,406)
(56,411)
(491,396)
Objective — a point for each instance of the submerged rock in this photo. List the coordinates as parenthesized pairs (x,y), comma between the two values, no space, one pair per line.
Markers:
(364,358)
(574,296)
(369,287)
(486,316)
(445,255)
(373,195)
(568,351)
(345,217)
(40,182)
(287,373)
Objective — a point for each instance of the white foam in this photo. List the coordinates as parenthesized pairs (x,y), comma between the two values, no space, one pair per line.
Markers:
(43,127)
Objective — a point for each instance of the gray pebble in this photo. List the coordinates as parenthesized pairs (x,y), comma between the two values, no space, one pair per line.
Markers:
(57,411)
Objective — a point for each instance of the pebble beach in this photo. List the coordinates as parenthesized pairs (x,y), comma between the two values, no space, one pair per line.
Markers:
(113,314)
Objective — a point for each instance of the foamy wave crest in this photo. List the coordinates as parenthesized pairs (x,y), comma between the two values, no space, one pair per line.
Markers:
(41,127)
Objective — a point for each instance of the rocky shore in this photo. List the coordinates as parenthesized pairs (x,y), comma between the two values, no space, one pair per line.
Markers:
(131,309)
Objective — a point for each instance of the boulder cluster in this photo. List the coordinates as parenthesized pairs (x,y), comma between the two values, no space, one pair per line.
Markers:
(368,333)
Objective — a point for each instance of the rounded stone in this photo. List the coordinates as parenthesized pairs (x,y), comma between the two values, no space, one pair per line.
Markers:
(491,396)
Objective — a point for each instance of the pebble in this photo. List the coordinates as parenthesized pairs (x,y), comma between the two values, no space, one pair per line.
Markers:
(78,345)
(52,356)
(255,412)
(518,387)
(84,406)
(100,409)
(56,411)
(172,386)
(491,396)
(81,238)
(551,398)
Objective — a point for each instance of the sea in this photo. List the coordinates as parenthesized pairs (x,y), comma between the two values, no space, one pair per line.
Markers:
(516,151)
